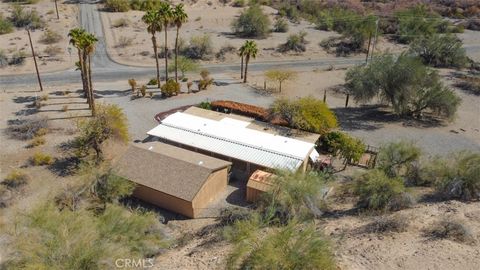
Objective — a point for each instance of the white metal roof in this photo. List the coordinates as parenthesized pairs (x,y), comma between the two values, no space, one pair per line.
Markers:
(231,139)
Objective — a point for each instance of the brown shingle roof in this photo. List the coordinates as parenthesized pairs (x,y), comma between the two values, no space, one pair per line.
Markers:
(169,169)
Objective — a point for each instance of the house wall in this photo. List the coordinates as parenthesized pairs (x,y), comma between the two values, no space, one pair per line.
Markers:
(164,200)
(215,184)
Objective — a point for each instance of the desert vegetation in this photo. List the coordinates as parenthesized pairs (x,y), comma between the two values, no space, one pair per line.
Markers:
(252,23)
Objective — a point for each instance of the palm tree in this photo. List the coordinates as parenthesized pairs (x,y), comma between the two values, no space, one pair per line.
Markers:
(89,49)
(250,51)
(241,53)
(152,19)
(76,35)
(179,17)
(165,14)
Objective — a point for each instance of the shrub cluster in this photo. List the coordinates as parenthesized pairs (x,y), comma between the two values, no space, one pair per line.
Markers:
(16,178)
(280,25)
(117,5)
(5,25)
(50,37)
(200,47)
(27,129)
(40,159)
(450,229)
(440,51)
(252,23)
(340,143)
(145,5)
(22,18)
(170,88)
(295,42)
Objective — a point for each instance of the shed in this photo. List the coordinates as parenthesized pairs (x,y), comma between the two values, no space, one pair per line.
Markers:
(259,183)
(173,178)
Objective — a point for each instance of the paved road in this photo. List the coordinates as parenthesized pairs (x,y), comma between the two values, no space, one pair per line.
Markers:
(105,70)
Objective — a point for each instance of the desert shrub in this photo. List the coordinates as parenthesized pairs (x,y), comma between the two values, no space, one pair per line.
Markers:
(53,50)
(37,141)
(47,238)
(143,90)
(22,18)
(307,113)
(225,50)
(109,123)
(205,105)
(248,110)
(280,25)
(294,196)
(453,230)
(457,177)
(280,76)
(440,51)
(40,159)
(377,191)
(16,178)
(336,19)
(340,143)
(238,3)
(133,84)
(145,5)
(17,59)
(121,22)
(206,81)
(293,246)
(473,24)
(152,81)
(416,21)
(386,224)
(6,196)
(27,129)
(50,37)
(295,42)
(184,65)
(200,47)
(409,86)
(170,88)
(5,25)
(252,23)
(398,159)
(117,5)
(124,41)
(3,59)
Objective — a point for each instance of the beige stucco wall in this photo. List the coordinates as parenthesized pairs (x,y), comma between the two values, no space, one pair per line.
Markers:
(215,185)
(164,200)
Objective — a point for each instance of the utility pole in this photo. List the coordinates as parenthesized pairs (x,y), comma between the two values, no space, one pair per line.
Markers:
(34,58)
(375,39)
(368,49)
(56,8)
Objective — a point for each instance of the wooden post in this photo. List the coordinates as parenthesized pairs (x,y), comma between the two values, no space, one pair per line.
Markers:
(264,85)
(368,49)
(346,100)
(34,60)
(325,96)
(56,8)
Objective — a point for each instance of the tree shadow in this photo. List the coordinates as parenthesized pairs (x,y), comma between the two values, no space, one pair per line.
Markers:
(367,117)
(65,166)
(24,99)
(102,93)
(27,112)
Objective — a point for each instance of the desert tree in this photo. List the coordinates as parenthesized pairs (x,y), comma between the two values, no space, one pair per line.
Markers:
(280,76)
(152,19)
(397,159)
(440,51)
(165,13)
(184,65)
(89,41)
(252,23)
(405,83)
(250,50)
(179,17)
(75,35)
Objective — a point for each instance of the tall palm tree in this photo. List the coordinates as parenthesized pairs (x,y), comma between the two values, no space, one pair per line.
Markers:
(165,13)
(179,17)
(89,49)
(241,53)
(76,35)
(250,51)
(154,25)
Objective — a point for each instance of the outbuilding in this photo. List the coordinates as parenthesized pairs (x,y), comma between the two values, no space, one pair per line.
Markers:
(259,183)
(173,178)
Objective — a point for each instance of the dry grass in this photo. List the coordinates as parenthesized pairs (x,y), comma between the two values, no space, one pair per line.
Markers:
(16,178)
(454,230)
(40,159)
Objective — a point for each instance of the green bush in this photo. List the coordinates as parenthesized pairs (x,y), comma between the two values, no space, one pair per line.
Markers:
(409,86)
(377,191)
(307,113)
(16,178)
(5,25)
(117,5)
(40,159)
(170,88)
(22,18)
(184,65)
(414,22)
(145,5)
(252,23)
(290,247)
(440,51)
(295,42)
(152,82)
(47,238)
(456,177)
(280,25)
(290,11)
(339,143)
(397,159)
(50,37)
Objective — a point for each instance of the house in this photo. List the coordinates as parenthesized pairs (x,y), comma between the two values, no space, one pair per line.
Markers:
(173,178)
(232,138)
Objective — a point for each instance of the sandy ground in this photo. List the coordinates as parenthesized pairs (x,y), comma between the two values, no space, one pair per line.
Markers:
(18,39)
(214,20)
